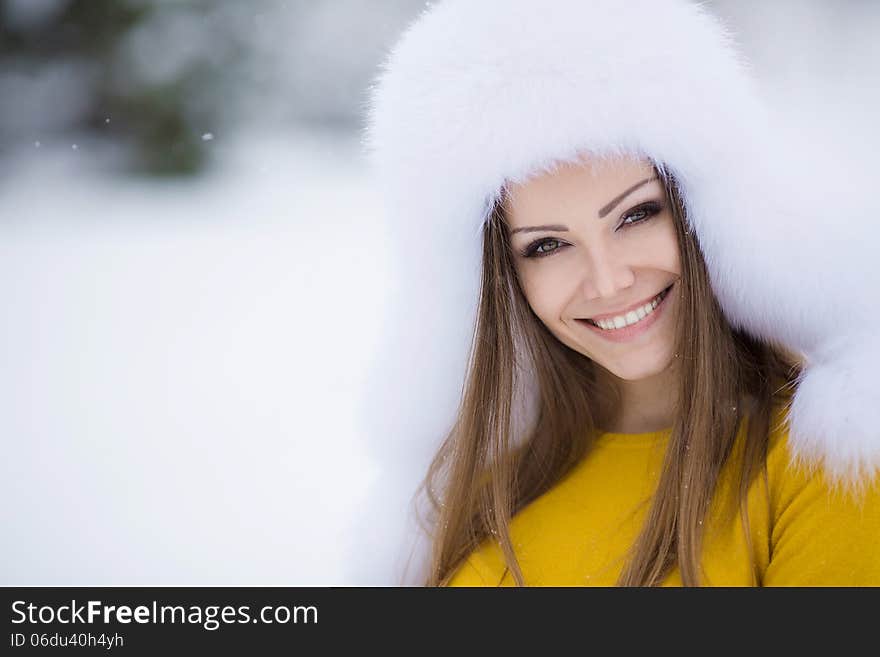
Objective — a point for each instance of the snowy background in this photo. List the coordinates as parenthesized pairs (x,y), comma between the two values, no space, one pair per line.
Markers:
(192,264)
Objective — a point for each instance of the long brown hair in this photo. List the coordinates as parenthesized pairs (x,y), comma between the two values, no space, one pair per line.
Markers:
(480,478)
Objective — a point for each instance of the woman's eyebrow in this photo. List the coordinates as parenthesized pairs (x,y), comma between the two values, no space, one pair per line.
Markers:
(602,211)
(617,199)
(531,229)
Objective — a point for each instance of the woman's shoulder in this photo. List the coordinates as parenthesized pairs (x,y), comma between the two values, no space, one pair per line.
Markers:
(822,531)
(790,468)
(484,566)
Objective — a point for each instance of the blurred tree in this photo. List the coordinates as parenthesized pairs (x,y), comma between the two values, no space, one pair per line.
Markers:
(164,78)
(87,39)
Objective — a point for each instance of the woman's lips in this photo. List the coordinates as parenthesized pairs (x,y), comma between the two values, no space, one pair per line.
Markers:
(634,330)
(634,306)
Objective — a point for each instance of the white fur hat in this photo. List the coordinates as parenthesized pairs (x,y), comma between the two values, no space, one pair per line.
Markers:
(477,93)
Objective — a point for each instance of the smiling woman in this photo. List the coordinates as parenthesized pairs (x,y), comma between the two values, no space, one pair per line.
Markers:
(602,289)
(601,395)
(651,396)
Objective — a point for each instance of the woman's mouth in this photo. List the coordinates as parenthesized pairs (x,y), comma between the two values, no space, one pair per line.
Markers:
(630,324)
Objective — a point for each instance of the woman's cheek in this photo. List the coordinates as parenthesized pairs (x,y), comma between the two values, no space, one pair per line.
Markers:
(548,297)
(530,281)
(533,289)
(666,249)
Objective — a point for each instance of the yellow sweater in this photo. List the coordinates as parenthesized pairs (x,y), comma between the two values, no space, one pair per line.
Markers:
(576,534)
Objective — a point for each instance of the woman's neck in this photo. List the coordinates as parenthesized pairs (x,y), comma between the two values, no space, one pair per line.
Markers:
(641,406)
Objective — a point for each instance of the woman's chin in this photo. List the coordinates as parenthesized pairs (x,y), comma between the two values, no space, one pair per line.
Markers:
(638,369)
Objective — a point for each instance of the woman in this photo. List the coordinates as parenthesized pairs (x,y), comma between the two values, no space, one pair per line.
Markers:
(632,411)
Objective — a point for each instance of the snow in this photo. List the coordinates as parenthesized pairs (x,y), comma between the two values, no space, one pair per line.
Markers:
(181,365)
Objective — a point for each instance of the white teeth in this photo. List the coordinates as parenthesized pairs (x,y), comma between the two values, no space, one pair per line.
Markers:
(631,317)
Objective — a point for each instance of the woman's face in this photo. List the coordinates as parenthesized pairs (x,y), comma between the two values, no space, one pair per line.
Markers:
(595,243)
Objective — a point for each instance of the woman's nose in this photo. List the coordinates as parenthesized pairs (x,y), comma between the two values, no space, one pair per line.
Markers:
(605,276)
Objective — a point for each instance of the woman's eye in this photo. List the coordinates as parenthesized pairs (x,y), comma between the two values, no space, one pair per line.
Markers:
(636,216)
(548,246)
(534,249)
(639,214)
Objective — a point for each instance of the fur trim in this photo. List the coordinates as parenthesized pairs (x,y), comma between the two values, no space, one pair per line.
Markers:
(478,93)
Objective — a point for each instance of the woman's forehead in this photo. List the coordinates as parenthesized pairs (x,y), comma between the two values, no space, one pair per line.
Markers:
(590,180)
